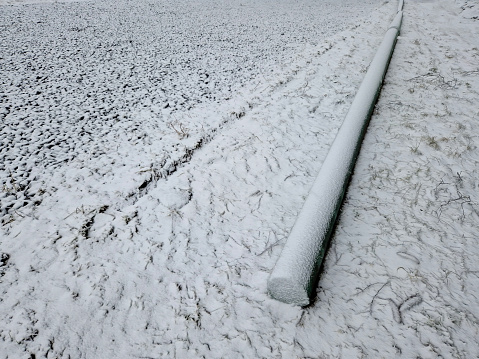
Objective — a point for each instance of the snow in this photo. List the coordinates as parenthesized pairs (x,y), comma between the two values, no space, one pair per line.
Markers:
(29,2)
(470,9)
(122,238)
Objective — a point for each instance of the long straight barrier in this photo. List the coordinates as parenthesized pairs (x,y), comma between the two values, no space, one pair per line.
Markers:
(295,274)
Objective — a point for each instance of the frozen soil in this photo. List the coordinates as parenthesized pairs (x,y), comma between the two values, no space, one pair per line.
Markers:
(78,77)
(155,236)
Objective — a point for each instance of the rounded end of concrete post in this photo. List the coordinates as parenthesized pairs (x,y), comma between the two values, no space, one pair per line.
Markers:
(288,291)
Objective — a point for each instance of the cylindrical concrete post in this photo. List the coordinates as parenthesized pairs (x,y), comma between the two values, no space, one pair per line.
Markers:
(295,274)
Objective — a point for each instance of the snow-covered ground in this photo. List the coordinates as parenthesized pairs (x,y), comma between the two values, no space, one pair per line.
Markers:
(141,223)
(80,78)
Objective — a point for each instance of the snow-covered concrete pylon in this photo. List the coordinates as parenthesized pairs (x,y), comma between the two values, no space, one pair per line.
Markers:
(295,273)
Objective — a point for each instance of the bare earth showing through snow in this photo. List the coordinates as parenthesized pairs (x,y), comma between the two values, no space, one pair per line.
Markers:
(79,78)
(149,185)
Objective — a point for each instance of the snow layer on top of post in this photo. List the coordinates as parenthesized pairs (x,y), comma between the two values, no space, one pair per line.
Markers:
(295,274)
